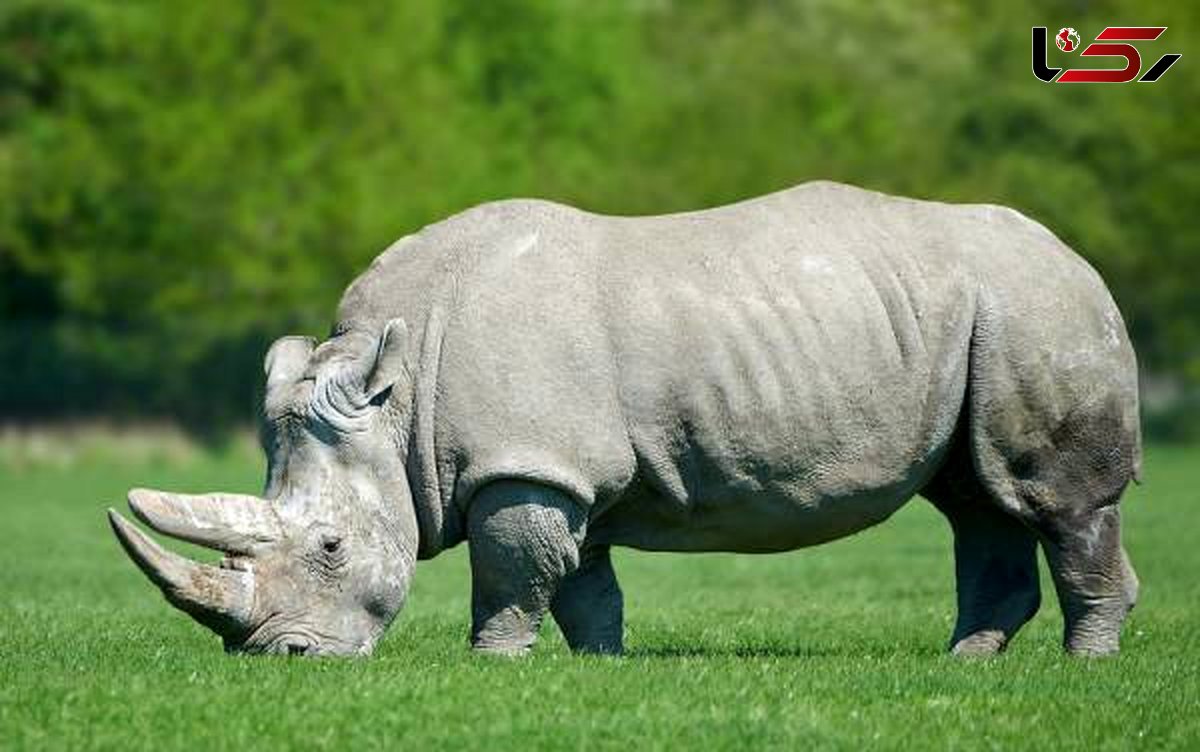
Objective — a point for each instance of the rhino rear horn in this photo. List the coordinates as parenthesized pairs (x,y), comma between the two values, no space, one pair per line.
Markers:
(220,599)
(233,523)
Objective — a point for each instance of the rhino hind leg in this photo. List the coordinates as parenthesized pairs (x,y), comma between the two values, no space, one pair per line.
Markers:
(1096,584)
(1064,479)
(524,540)
(995,563)
(589,606)
(996,568)
(1073,492)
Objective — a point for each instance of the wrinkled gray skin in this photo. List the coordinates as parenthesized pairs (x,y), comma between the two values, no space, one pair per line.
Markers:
(546,383)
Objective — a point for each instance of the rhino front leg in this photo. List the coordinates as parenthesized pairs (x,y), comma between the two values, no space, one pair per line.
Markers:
(589,607)
(524,540)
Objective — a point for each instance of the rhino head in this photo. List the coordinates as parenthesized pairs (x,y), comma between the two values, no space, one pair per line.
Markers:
(321,563)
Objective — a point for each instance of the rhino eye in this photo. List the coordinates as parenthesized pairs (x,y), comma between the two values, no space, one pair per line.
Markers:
(331,544)
(327,558)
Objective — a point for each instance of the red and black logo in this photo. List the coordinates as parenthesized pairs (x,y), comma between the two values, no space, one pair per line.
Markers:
(1067,40)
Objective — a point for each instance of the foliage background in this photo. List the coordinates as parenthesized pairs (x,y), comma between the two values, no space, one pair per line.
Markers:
(180,183)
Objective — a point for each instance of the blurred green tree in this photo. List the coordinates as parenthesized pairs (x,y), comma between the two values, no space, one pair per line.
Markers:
(181,183)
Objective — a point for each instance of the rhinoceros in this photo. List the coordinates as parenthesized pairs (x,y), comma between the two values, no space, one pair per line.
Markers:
(546,383)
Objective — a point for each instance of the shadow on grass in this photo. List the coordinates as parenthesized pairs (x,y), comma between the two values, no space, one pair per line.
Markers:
(750,651)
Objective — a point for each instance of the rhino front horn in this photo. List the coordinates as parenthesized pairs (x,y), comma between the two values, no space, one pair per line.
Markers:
(218,598)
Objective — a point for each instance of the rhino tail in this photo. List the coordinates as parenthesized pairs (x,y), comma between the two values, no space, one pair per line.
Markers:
(1137,454)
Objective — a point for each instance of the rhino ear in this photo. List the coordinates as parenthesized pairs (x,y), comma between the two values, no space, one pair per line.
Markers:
(389,366)
(287,359)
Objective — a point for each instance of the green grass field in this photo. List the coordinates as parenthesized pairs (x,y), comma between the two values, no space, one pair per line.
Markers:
(834,647)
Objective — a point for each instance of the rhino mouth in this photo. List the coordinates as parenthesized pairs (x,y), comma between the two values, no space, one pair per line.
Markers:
(273,638)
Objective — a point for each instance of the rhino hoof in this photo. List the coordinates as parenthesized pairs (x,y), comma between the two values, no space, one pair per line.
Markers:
(982,644)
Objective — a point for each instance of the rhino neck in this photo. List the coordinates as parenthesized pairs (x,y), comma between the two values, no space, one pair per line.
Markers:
(439,527)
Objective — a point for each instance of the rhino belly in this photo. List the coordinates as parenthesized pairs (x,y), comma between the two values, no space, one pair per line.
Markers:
(742,521)
(754,485)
